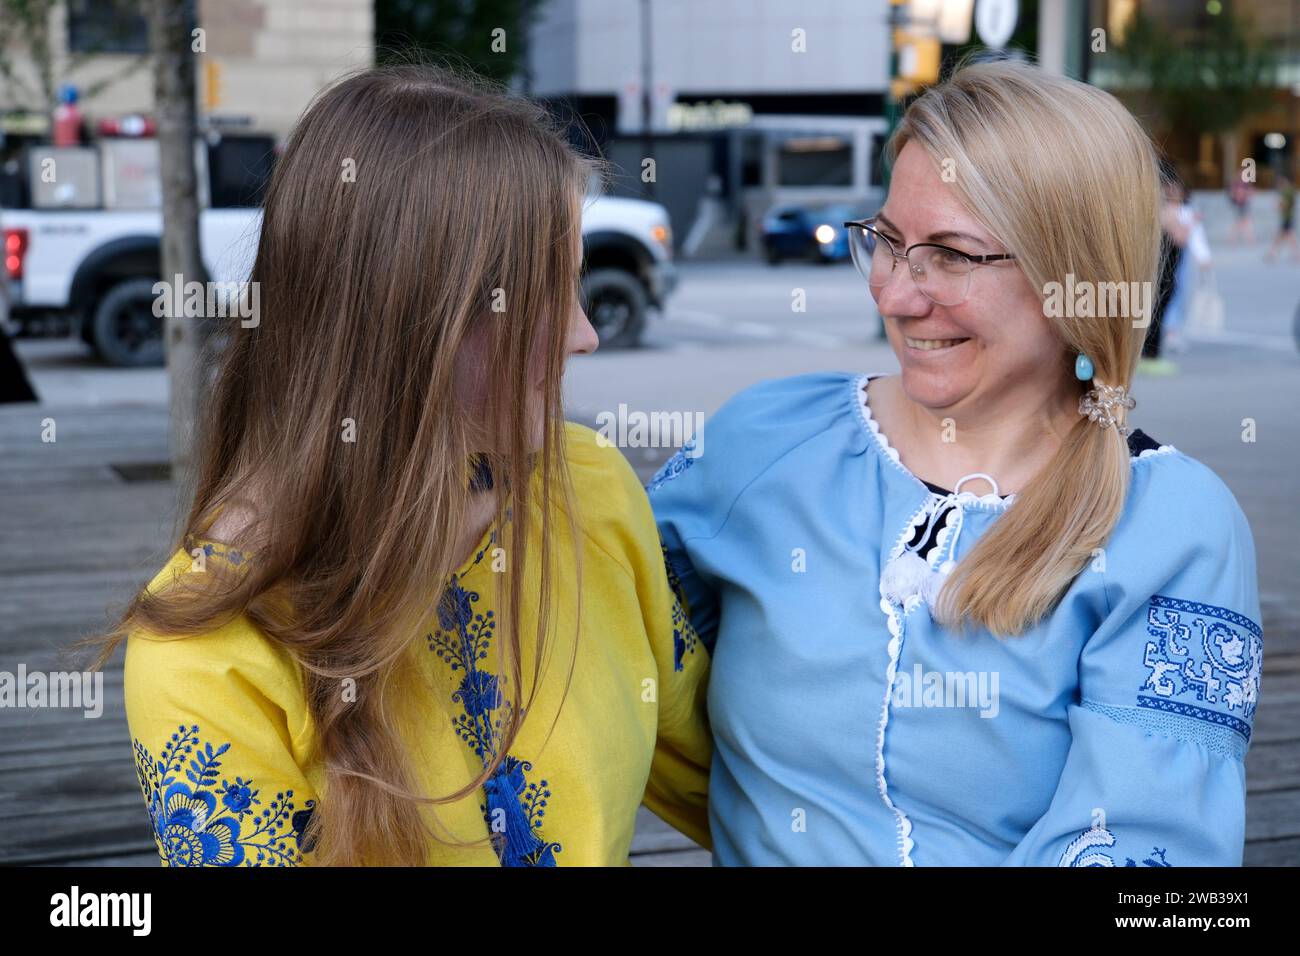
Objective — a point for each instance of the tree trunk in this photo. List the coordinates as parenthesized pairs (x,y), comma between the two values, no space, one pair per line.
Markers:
(170,23)
(1231,168)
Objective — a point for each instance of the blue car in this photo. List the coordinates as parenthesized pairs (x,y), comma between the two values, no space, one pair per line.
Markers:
(803,232)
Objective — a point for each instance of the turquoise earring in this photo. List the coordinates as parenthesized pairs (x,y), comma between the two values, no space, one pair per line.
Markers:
(1083,368)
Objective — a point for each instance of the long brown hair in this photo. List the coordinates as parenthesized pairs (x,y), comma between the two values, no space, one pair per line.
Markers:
(418,235)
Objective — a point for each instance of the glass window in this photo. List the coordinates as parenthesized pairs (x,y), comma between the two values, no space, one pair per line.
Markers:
(107,26)
(816,161)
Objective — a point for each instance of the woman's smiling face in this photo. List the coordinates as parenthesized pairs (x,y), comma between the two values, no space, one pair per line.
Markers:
(995,340)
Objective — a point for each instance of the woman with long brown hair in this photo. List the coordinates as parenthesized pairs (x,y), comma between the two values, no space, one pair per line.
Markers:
(415,616)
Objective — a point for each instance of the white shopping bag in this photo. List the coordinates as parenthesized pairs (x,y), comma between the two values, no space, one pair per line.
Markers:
(1206,311)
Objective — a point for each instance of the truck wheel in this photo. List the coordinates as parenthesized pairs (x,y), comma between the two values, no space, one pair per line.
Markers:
(124,329)
(616,303)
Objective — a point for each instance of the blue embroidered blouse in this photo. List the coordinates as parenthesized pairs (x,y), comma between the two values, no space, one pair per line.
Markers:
(849,728)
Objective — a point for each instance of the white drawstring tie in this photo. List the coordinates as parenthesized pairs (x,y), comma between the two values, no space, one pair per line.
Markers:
(909,573)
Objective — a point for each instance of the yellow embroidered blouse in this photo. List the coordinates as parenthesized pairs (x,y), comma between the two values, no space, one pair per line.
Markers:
(224,743)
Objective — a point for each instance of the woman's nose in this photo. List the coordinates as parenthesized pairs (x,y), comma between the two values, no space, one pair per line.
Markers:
(900,294)
(584,339)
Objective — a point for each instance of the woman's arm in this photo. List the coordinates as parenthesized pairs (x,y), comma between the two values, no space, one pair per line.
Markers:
(1172,223)
(217,725)
(678,785)
(678,788)
(1168,689)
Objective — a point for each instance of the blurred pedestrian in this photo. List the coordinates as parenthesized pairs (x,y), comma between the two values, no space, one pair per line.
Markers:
(14,384)
(1173,237)
(67,118)
(1193,265)
(1240,194)
(1286,209)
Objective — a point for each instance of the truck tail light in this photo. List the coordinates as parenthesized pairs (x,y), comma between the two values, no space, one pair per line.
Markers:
(15,252)
(663,235)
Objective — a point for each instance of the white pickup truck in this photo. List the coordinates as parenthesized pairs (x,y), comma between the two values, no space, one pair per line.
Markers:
(93,270)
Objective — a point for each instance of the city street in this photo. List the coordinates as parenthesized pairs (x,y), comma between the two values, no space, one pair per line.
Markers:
(85,520)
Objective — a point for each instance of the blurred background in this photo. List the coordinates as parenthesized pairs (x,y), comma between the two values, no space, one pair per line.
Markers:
(741,134)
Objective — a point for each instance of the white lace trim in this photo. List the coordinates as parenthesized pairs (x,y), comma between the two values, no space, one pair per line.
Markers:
(1153,452)
(965,497)
(873,426)
(938,554)
(970,498)
(895,624)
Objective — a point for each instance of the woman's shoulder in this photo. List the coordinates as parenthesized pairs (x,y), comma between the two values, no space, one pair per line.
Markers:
(764,423)
(235,651)
(776,405)
(612,508)
(1171,489)
(1181,535)
(598,468)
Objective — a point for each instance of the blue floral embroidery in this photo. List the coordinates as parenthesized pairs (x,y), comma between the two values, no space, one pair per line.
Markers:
(1202,655)
(1082,851)
(514,808)
(682,459)
(189,827)
(685,637)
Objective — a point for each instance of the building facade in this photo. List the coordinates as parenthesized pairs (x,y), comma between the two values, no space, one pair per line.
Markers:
(260,64)
(751,103)
(1265,133)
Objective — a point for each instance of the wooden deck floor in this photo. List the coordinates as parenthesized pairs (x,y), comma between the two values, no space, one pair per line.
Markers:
(75,539)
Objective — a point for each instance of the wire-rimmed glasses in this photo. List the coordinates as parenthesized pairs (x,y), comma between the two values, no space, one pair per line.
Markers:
(940,272)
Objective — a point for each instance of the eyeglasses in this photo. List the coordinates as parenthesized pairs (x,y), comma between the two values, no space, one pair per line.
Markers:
(940,272)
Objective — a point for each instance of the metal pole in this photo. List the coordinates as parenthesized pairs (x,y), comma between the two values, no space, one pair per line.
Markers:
(1085,39)
(647,133)
(893,106)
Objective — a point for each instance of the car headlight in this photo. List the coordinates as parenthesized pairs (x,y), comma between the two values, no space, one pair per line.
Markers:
(825,234)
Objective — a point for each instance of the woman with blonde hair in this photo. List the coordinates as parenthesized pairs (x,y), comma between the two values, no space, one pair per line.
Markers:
(962,615)
(416,618)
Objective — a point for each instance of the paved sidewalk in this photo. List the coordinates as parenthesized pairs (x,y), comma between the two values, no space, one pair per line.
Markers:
(77,535)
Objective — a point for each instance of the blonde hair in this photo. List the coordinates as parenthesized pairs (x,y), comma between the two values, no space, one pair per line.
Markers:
(1065,177)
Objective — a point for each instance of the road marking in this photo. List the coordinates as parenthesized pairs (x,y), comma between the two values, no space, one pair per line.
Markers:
(762,330)
(1259,340)
(707,319)
(757,330)
(825,340)
(828,340)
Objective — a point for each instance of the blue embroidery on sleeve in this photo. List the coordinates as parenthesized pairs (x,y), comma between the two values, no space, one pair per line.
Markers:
(685,638)
(1203,655)
(1083,851)
(192,830)
(682,459)
(510,799)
